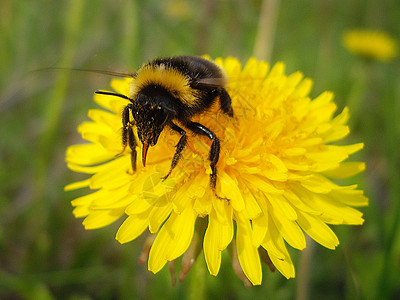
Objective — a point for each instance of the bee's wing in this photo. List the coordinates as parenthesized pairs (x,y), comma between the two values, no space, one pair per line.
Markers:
(111,73)
(225,82)
(104,72)
(212,82)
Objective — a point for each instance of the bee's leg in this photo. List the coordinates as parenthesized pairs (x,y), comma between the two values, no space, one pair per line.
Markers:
(214,153)
(126,126)
(179,147)
(225,102)
(132,145)
(127,134)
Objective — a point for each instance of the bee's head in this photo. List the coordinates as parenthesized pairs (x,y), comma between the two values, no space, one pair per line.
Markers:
(151,116)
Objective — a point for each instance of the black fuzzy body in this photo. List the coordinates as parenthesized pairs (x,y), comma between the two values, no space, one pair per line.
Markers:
(196,69)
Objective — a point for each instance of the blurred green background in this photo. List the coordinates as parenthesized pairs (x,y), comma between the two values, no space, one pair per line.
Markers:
(45,253)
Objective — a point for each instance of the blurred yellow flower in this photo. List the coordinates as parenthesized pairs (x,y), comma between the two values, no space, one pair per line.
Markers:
(276,166)
(178,9)
(371,44)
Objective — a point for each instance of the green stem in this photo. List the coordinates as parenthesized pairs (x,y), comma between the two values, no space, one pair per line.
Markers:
(131,22)
(54,106)
(303,276)
(356,98)
(197,285)
(266,29)
(391,132)
(51,122)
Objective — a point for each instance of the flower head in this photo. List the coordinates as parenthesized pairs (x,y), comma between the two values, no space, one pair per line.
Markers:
(371,44)
(276,166)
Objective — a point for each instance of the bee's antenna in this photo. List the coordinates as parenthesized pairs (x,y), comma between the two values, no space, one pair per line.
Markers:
(113,94)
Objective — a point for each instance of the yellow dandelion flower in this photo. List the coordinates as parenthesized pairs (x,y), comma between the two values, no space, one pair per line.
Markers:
(277,165)
(372,44)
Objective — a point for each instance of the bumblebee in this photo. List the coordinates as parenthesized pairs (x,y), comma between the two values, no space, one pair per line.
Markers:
(170,90)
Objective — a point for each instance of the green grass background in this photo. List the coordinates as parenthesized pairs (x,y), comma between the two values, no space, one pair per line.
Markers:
(45,253)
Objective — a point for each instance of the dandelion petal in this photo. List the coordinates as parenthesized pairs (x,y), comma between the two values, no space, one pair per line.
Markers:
(248,254)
